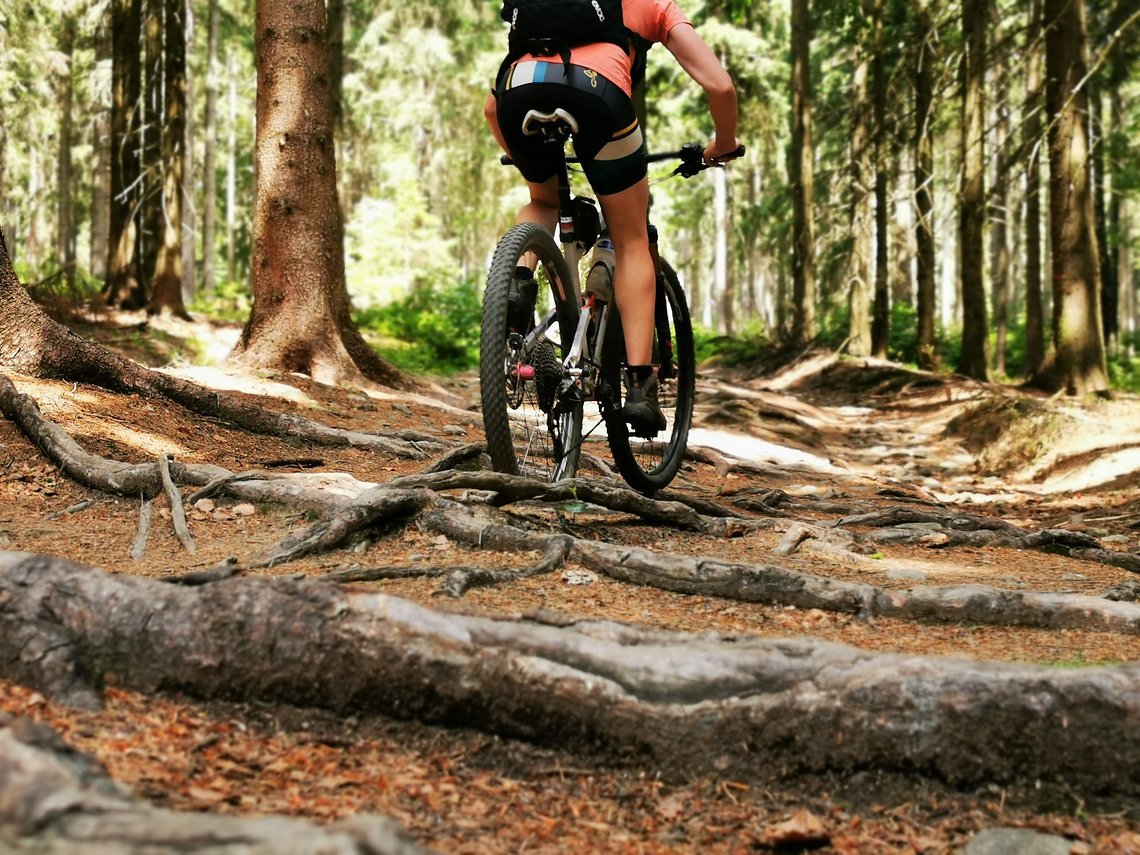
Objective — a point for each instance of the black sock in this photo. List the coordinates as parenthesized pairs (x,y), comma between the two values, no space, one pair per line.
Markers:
(639,373)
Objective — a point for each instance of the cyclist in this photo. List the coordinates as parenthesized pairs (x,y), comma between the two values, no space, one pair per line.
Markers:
(594,82)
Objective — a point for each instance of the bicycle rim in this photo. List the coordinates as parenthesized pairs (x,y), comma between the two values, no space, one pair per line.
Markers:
(520,380)
(649,465)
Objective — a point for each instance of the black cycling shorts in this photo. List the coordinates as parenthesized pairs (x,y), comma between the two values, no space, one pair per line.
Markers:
(609,142)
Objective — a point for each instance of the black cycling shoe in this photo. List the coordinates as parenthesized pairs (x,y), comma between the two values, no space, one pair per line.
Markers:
(642,411)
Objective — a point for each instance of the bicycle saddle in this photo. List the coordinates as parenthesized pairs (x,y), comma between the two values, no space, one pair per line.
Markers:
(534,120)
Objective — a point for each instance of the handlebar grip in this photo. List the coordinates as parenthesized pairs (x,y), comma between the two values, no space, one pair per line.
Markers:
(505,160)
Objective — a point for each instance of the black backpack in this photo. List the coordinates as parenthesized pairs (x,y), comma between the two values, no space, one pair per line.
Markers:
(552,27)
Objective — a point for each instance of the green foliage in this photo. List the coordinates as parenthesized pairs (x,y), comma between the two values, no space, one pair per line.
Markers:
(229,301)
(433,330)
(750,345)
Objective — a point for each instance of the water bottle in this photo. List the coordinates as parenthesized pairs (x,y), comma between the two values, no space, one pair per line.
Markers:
(600,280)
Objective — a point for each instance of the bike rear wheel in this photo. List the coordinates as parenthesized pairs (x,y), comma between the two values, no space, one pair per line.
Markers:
(532,423)
(649,465)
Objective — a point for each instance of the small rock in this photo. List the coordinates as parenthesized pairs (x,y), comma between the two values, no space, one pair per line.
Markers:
(244,509)
(1012,581)
(205,505)
(5,540)
(1075,577)
(454,430)
(1016,841)
(579,577)
(1116,538)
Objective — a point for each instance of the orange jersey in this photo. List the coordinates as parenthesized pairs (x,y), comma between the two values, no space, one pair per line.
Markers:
(650,19)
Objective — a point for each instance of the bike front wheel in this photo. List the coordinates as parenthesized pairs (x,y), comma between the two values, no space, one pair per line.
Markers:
(649,465)
(531,418)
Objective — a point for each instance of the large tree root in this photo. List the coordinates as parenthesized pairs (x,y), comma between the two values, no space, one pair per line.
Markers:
(54,799)
(747,709)
(355,508)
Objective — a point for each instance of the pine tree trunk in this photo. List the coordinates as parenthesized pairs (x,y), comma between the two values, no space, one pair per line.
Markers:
(1110,291)
(973,361)
(802,181)
(881,312)
(166,290)
(999,232)
(189,224)
(65,221)
(300,319)
(1079,358)
(124,286)
(1034,314)
(152,135)
(923,184)
(210,154)
(862,189)
(231,172)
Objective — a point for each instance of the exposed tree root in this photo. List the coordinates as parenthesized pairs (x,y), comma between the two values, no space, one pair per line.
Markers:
(748,709)
(958,529)
(54,799)
(773,585)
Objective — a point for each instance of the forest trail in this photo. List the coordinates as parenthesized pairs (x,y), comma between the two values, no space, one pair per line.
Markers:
(821,441)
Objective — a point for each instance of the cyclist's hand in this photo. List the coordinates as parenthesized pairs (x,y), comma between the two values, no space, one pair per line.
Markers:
(717,152)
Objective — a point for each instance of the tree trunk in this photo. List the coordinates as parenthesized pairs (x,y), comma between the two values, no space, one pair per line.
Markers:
(801,177)
(210,155)
(1034,102)
(724,274)
(973,361)
(1110,291)
(189,224)
(231,172)
(300,319)
(65,221)
(999,224)
(675,702)
(124,285)
(1079,365)
(166,288)
(862,189)
(881,312)
(152,189)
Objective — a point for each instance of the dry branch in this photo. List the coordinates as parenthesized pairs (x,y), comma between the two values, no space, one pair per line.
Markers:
(56,800)
(741,708)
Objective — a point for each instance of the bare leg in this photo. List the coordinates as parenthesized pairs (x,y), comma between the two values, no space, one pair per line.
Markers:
(626,218)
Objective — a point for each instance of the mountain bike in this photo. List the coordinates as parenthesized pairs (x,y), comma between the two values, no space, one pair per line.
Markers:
(537,375)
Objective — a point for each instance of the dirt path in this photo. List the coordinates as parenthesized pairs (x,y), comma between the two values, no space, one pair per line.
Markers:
(840,437)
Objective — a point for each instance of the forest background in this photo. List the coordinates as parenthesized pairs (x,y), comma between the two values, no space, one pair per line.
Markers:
(424,198)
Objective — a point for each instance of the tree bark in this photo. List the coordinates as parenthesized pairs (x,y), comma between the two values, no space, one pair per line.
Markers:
(1079,365)
(56,800)
(862,188)
(973,361)
(65,221)
(210,155)
(166,284)
(300,319)
(925,59)
(124,284)
(1034,100)
(675,701)
(801,176)
(881,313)
(1000,275)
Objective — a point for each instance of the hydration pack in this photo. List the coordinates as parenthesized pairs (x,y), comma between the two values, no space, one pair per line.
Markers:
(553,27)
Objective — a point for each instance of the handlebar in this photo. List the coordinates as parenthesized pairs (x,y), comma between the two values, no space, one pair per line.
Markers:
(691,155)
